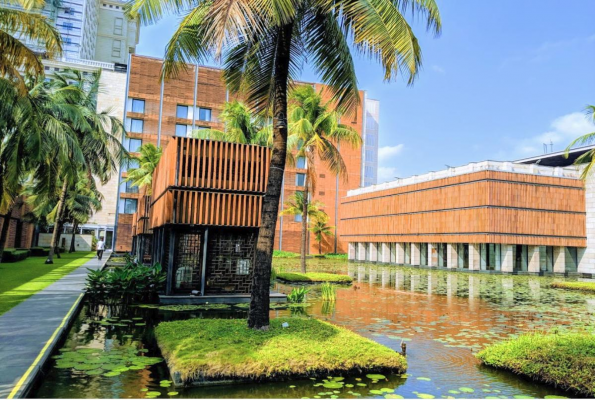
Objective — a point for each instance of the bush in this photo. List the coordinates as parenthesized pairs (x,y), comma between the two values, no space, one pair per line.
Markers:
(297,295)
(582,286)
(563,360)
(285,254)
(40,251)
(13,255)
(132,282)
(336,256)
(311,277)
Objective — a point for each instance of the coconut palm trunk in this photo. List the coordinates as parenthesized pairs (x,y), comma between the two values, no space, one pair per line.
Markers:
(57,223)
(4,231)
(304,246)
(258,316)
(75,227)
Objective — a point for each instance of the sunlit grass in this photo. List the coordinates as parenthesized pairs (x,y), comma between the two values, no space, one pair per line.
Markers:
(217,349)
(312,277)
(22,279)
(582,286)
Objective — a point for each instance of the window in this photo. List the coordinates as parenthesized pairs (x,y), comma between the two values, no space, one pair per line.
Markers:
(136,125)
(182,130)
(132,145)
(116,48)
(138,106)
(182,111)
(301,162)
(243,267)
(204,114)
(300,179)
(69,11)
(68,26)
(127,206)
(129,164)
(67,40)
(118,24)
(298,218)
(126,187)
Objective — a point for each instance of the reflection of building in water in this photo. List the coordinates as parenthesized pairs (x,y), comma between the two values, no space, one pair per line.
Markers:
(432,282)
(451,285)
(511,217)
(361,274)
(474,286)
(385,277)
(535,288)
(399,280)
(373,276)
(415,279)
(508,291)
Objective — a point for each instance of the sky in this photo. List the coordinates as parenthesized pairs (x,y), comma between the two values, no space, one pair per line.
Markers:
(504,77)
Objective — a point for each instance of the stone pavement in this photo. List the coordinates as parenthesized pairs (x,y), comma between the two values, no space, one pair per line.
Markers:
(30,330)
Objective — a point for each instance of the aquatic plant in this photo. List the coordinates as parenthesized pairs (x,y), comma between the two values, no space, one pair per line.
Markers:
(328,292)
(313,277)
(298,295)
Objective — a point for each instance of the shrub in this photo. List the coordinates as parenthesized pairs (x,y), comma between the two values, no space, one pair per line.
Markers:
(336,256)
(13,255)
(284,254)
(312,277)
(39,251)
(298,295)
(582,286)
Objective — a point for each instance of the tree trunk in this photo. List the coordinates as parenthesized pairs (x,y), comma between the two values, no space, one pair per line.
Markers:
(320,246)
(258,316)
(4,232)
(75,226)
(56,234)
(304,246)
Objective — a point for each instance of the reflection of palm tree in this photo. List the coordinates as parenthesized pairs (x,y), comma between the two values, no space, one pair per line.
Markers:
(588,157)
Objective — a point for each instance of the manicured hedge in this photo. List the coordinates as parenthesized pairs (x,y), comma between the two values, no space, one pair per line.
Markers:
(40,251)
(314,277)
(12,255)
(582,286)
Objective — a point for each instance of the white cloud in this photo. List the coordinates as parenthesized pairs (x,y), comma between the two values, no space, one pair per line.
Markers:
(387,152)
(386,174)
(439,69)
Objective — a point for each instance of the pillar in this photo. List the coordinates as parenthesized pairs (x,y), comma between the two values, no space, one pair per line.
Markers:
(507,261)
(385,253)
(483,256)
(373,252)
(351,251)
(451,255)
(474,255)
(432,255)
(559,260)
(400,253)
(361,252)
(415,254)
(534,255)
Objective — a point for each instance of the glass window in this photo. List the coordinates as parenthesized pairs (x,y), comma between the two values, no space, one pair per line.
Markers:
(301,162)
(116,48)
(132,145)
(126,187)
(298,218)
(181,130)
(127,206)
(204,114)
(68,25)
(243,267)
(136,125)
(300,179)
(118,24)
(129,164)
(182,111)
(138,106)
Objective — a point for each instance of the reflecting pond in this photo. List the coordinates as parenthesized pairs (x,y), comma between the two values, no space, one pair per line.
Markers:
(442,317)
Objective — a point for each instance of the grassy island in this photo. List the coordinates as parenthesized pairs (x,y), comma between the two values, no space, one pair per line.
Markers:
(582,286)
(314,277)
(203,350)
(564,360)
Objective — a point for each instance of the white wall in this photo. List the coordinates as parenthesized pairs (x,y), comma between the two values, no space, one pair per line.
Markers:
(81,242)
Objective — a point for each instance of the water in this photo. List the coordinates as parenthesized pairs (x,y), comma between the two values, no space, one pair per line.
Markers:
(442,317)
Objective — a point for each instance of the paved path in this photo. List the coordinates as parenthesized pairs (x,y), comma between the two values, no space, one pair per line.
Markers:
(29,330)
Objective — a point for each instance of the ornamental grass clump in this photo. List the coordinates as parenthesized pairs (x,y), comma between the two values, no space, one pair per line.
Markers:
(564,360)
(581,286)
(328,292)
(298,295)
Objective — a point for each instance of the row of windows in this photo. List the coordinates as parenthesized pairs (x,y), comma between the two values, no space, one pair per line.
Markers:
(182,111)
(183,130)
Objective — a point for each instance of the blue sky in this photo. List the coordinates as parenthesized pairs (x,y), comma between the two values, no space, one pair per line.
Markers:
(504,77)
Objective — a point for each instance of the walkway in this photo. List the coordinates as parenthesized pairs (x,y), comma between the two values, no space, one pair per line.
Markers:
(29,330)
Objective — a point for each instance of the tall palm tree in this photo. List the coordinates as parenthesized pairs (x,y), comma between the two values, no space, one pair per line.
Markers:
(264,44)
(148,158)
(295,206)
(320,229)
(587,158)
(314,132)
(20,28)
(82,201)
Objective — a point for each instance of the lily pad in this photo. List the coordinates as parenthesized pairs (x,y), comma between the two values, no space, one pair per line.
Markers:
(551,396)
(466,390)
(111,373)
(375,377)
(172,393)
(374,391)
(425,396)
(393,396)
(423,378)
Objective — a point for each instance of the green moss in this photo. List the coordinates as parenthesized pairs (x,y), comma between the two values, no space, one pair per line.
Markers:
(24,278)
(313,277)
(582,286)
(563,360)
(216,349)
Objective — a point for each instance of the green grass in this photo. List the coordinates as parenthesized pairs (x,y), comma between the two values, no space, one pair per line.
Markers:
(285,254)
(222,349)
(21,279)
(312,277)
(564,360)
(582,286)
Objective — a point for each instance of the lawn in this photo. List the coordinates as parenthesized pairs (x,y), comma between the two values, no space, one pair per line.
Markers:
(582,286)
(21,279)
(224,349)
(314,277)
(563,360)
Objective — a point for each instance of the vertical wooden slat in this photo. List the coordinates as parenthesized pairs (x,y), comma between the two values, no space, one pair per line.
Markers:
(225,162)
(241,177)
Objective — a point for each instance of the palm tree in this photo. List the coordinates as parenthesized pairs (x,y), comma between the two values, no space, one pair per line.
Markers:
(587,158)
(20,28)
(82,201)
(295,206)
(313,133)
(320,229)
(264,44)
(142,176)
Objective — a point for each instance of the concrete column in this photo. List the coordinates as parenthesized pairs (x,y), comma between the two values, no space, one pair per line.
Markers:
(351,251)
(460,255)
(542,258)
(451,255)
(507,258)
(570,261)
(415,254)
(483,256)
(432,255)
(474,260)
(361,252)
(373,252)
(385,253)
(400,253)
(534,256)
(559,260)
